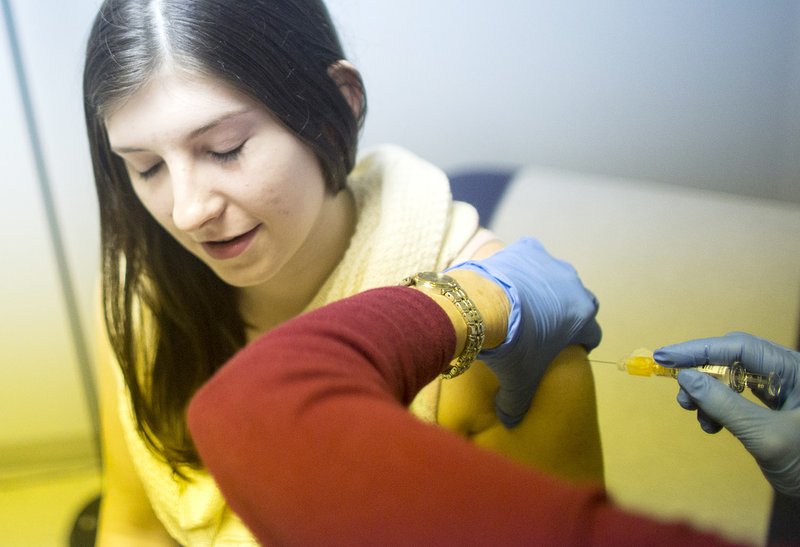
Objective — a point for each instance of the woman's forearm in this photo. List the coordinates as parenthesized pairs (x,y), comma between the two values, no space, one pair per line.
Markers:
(306,432)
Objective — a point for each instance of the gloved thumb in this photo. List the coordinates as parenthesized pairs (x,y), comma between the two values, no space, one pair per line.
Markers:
(511,406)
(743,418)
(589,336)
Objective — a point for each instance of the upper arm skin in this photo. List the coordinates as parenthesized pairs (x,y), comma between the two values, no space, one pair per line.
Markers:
(126,517)
(559,434)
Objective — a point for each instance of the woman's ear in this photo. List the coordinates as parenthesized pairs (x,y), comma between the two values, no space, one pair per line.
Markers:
(348,80)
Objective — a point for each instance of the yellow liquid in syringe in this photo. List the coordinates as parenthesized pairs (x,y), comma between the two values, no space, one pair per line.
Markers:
(644,365)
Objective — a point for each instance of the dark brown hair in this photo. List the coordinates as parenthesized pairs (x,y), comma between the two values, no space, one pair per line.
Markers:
(277,51)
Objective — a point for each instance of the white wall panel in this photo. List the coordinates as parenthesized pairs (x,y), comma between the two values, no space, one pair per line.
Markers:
(685,92)
(790,180)
(52,36)
(40,393)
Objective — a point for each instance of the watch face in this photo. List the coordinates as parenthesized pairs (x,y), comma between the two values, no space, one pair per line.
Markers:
(436,279)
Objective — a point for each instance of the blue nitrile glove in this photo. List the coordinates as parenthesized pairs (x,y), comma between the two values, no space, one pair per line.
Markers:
(771,436)
(550,310)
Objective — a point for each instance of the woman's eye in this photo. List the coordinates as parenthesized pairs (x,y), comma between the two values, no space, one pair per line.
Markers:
(150,173)
(230,155)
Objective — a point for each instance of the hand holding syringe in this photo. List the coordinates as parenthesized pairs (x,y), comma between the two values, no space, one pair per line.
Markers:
(771,435)
(765,387)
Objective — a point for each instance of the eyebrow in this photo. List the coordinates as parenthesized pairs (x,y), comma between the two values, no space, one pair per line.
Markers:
(194,133)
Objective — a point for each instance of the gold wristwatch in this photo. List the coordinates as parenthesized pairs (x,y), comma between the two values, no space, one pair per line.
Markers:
(445,285)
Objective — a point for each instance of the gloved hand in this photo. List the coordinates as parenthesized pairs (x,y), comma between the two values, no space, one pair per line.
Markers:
(771,436)
(550,309)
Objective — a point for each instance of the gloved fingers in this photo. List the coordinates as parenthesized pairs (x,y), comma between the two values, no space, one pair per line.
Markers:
(685,400)
(761,355)
(595,301)
(718,404)
(590,335)
(511,406)
(527,256)
(706,423)
(756,354)
(720,350)
(773,438)
(533,248)
(584,310)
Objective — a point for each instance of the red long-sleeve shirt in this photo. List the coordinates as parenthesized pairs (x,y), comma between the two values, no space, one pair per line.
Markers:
(307,434)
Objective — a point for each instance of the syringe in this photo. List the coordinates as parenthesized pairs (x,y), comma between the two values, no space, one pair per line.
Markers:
(765,387)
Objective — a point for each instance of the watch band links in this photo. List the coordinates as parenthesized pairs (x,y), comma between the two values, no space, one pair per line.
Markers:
(450,289)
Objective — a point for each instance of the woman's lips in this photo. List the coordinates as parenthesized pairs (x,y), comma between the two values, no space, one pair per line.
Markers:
(223,250)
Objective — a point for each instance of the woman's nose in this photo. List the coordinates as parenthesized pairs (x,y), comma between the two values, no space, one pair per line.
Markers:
(195,201)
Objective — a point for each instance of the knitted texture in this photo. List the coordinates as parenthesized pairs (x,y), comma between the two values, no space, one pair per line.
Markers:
(407,223)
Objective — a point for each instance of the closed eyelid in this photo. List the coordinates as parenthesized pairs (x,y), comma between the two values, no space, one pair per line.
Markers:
(150,172)
(223,141)
(226,136)
(222,157)
(142,172)
(226,147)
(229,155)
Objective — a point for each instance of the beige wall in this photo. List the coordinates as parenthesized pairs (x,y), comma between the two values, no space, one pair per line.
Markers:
(668,264)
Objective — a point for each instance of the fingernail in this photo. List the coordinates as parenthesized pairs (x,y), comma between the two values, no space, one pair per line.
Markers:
(664,357)
(708,428)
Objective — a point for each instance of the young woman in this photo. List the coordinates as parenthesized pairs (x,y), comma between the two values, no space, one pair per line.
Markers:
(223,137)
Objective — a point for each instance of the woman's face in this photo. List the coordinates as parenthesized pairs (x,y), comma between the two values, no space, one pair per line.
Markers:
(221,174)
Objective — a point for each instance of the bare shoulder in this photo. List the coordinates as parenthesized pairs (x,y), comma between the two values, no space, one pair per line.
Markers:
(560,432)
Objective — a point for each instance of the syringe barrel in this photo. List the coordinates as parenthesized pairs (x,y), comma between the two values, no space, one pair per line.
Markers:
(765,387)
(734,376)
